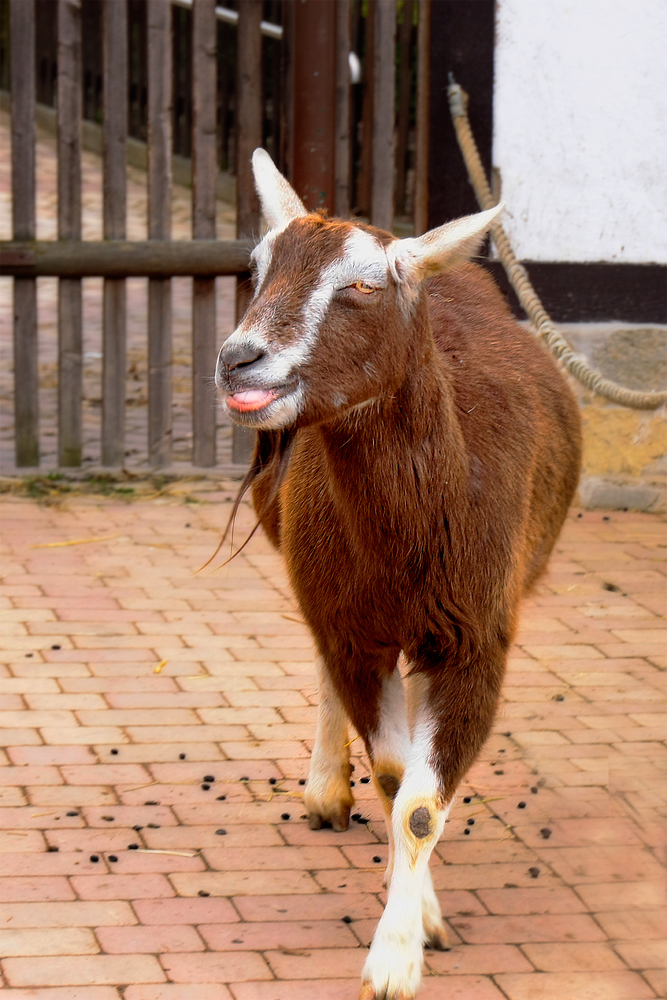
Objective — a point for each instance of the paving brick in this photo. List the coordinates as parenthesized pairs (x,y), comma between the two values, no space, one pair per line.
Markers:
(19,889)
(211,967)
(65,993)
(634,925)
(327,906)
(579,957)
(519,929)
(549,899)
(180,991)
(574,986)
(121,886)
(283,934)
(642,954)
(59,970)
(196,910)
(230,883)
(154,939)
(71,914)
(54,941)
(317,963)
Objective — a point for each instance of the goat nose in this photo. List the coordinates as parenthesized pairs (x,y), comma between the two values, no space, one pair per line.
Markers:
(240,355)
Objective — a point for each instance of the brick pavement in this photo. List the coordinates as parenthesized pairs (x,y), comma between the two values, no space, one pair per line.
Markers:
(550,873)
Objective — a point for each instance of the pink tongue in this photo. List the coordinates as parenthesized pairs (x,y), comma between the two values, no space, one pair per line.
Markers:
(252,399)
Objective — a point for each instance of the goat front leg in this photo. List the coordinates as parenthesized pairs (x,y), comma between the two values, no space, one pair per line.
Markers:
(389,748)
(451,723)
(328,798)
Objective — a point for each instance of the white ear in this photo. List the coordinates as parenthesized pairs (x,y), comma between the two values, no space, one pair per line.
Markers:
(280,202)
(417,258)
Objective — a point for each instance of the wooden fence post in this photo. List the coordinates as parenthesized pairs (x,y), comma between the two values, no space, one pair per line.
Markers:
(384,72)
(343,155)
(159,228)
(248,138)
(423,87)
(204,172)
(70,369)
(26,376)
(404,104)
(115,204)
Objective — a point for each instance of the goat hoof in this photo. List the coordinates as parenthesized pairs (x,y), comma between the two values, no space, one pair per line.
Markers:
(338,822)
(437,941)
(368,993)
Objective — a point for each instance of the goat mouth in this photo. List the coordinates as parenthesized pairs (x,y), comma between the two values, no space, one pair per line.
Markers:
(252,400)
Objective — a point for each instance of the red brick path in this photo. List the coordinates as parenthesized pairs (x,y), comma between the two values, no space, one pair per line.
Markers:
(561,899)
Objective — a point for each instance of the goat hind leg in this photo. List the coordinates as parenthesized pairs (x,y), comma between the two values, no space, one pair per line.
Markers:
(328,798)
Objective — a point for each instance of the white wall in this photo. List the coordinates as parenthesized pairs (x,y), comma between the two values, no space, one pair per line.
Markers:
(580,128)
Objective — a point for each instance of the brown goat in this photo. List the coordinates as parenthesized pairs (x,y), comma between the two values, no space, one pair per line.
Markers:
(416,456)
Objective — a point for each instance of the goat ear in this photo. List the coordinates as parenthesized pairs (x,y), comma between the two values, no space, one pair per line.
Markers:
(280,202)
(419,257)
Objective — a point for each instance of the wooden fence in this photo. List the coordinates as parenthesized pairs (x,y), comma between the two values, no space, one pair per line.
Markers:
(364,164)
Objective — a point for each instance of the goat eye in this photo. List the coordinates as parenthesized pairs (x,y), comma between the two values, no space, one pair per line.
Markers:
(362,286)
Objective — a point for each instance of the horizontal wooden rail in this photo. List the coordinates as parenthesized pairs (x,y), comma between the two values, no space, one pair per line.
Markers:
(123,258)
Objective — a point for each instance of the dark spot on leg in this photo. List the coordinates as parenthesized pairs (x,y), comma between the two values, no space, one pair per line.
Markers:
(420,822)
(389,784)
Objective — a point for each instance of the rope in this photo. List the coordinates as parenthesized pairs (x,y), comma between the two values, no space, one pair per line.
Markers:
(520,281)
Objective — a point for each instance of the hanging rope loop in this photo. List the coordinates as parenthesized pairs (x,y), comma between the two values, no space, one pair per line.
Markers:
(520,281)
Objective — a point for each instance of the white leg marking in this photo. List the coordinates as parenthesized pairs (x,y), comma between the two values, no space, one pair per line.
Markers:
(328,796)
(393,966)
(390,747)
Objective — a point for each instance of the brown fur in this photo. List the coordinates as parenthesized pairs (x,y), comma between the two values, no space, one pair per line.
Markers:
(418,521)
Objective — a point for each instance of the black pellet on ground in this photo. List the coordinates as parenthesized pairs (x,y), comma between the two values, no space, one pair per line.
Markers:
(521,805)
(534,789)
(72,812)
(244,778)
(221,833)
(205,788)
(202,892)
(377,859)
(221,798)
(498,772)
(29,655)
(137,828)
(533,872)
(56,647)
(347,920)
(151,802)
(471,822)
(272,781)
(559,697)
(108,819)
(285,816)
(113,750)
(181,756)
(467,832)
(133,847)
(355,816)
(468,798)
(302,781)
(209,778)
(546,832)
(52,849)
(111,857)
(94,858)
(363,820)
(153,826)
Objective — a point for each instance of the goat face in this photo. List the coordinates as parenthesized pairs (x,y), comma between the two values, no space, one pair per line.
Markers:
(328,328)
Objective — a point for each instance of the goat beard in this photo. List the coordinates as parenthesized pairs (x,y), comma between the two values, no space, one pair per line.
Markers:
(273,451)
